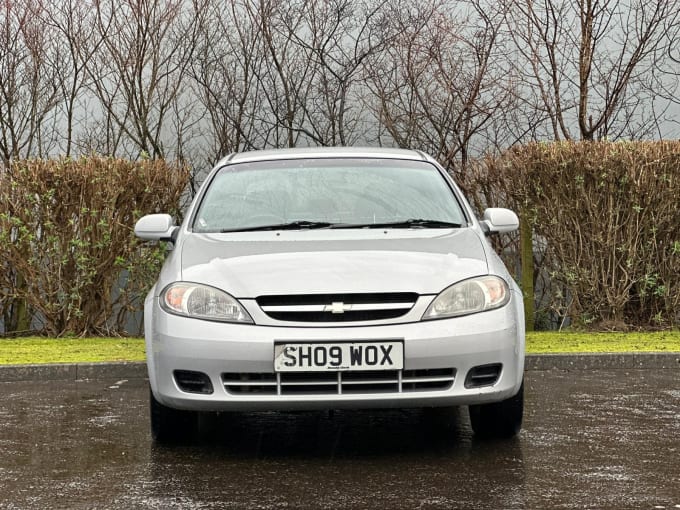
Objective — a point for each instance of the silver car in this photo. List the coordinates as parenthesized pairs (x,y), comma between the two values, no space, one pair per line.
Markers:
(332,278)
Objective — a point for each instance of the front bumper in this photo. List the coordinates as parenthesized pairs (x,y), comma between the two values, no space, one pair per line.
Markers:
(177,343)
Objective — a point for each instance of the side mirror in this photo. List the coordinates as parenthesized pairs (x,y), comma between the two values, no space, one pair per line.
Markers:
(498,221)
(156,227)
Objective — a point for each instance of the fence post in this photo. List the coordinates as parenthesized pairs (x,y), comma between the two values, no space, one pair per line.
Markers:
(18,319)
(527,262)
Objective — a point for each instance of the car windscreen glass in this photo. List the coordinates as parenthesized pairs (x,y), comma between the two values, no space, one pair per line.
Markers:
(320,193)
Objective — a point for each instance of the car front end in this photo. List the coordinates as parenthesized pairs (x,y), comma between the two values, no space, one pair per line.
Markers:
(293,310)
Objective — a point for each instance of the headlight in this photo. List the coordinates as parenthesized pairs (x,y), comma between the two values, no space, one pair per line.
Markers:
(202,302)
(469,296)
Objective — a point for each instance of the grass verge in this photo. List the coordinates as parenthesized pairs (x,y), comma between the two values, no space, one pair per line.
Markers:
(545,342)
(33,350)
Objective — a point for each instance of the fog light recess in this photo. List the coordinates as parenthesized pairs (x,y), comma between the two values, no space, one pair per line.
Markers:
(483,375)
(193,382)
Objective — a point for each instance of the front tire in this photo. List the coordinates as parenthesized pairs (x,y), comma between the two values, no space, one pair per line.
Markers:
(499,419)
(170,425)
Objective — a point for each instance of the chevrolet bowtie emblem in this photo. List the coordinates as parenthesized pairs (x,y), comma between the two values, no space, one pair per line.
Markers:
(337,307)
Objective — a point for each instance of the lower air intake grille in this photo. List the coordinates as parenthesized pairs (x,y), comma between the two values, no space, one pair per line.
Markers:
(193,382)
(339,383)
(483,375)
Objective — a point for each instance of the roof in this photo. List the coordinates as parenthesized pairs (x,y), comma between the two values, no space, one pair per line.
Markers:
(323,152)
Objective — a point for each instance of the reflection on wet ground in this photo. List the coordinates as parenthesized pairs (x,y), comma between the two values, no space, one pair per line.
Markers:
(600,439)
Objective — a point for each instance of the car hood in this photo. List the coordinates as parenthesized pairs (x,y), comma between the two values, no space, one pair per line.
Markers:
(248,265)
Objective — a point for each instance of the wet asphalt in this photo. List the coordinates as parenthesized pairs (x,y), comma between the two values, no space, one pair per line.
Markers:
(605,439)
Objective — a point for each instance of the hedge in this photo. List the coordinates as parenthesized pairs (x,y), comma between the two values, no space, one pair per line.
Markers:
(602,226)
(605,218)
(70,262)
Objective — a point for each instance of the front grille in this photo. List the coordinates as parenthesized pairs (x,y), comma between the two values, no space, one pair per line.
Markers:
(337,307)
(339,383)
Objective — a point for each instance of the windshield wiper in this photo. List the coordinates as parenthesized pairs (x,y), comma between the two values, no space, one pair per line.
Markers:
(410,223)
(293,225)
(306,225)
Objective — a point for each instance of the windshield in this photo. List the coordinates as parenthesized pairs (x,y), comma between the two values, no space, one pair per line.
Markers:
(327,193)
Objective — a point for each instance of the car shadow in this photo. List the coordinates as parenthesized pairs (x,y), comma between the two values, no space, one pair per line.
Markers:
(340,459)
(335,434)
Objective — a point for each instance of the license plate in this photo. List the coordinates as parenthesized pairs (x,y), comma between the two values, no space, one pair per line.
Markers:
(346,356)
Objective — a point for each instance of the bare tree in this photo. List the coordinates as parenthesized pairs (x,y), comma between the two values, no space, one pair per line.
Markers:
(186,78)
(592,65)
(340,36)
(287,72)
(271,74)
(28,97)
(224,69)
(137,73)
(670,93)
(72,26)
(440,82)
(28,90)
